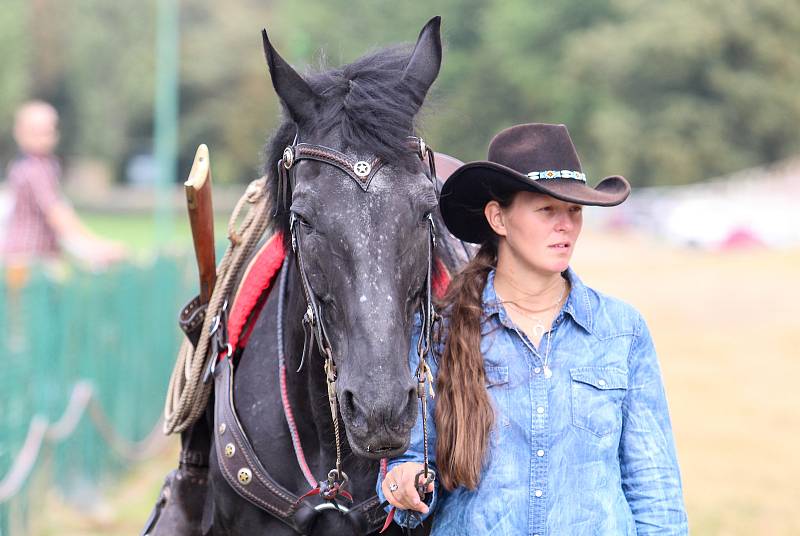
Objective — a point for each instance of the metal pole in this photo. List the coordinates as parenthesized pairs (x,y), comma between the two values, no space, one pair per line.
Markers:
(166,115)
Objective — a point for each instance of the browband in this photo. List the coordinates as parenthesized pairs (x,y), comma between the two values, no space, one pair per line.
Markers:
(361,171)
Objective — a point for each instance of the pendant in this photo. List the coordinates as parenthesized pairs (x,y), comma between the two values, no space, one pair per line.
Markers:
(547,372)
(538,330)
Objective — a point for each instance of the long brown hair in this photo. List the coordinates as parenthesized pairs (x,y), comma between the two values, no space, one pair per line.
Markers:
(464,414)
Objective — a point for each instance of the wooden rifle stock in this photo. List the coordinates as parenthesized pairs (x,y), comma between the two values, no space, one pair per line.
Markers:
(201,219)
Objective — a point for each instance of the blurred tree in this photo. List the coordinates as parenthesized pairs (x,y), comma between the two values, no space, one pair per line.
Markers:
(685,90)
(663,92)
(15,77)
(108,73)
(226,98)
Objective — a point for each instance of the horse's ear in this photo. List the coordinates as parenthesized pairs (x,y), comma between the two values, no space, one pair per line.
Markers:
(295,92)
(423,67)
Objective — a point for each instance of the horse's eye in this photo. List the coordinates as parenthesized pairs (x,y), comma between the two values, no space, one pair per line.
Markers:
(300,219)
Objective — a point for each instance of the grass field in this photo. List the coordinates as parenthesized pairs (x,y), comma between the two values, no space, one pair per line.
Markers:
(141,234)
(727,329)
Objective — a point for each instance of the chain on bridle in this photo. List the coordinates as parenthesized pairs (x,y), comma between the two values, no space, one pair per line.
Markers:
(362,172)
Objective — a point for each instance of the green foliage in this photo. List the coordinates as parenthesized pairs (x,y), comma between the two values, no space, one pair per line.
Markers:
(662,92)
(14,72)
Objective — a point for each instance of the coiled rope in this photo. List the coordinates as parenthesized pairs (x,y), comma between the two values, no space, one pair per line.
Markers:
(187,394)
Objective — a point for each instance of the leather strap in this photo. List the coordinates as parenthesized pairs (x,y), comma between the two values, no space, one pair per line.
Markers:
(191,319)
(245,474)
(346,163)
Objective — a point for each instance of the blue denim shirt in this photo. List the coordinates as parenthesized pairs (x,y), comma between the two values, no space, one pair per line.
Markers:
(586,451)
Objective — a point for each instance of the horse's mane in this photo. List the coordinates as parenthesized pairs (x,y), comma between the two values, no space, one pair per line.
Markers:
(367,103)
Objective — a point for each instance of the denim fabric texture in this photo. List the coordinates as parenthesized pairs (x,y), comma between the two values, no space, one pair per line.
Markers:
(588,451)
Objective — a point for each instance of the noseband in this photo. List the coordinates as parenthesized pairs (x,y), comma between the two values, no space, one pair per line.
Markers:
(362,172)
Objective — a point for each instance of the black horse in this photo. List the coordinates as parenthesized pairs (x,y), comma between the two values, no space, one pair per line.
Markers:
(365,254)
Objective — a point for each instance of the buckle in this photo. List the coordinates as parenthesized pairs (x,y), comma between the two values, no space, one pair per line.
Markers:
(288,157)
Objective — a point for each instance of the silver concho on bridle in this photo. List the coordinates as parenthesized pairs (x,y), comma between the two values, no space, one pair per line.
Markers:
(362,169)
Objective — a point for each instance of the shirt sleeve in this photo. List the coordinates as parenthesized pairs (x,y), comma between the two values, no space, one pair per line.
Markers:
(649,467)
(415,450)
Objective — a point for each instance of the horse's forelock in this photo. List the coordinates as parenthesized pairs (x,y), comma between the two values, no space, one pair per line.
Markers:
(367,103)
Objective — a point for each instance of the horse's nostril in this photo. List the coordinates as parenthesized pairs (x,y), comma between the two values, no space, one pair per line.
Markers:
(404,410)
(350,409)
(348,403)
(411,399)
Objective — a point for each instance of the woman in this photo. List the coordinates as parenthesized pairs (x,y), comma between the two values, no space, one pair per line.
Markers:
(550,415)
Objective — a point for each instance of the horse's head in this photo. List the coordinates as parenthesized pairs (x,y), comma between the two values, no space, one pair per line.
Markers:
(359,214)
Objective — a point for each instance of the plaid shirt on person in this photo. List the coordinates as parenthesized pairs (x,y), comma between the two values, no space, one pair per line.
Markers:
(34,185)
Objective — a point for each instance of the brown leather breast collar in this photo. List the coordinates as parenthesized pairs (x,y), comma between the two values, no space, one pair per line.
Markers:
(247,476)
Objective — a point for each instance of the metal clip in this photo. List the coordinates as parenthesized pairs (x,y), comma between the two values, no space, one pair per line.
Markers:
(292,222)
(423,479)
(212,365)
(432,228)
(308,317)
(330,369)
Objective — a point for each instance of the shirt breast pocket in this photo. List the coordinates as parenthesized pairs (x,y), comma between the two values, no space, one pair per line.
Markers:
(497,386)
(597,395)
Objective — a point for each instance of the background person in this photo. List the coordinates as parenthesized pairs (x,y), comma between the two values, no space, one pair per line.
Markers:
(550,414)
(41,223)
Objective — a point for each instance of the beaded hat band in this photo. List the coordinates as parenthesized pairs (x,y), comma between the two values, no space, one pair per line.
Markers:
(557,174)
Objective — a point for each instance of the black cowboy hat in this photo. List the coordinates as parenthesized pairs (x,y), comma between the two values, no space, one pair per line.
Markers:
(536,157)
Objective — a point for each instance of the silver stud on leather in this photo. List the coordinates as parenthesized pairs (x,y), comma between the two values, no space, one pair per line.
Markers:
(362,168)
(230,450)
(245,476)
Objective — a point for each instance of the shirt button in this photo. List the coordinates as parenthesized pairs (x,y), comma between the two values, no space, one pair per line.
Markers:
(537,370)
(601,383)
(540,410)
(540,453)
(538,493)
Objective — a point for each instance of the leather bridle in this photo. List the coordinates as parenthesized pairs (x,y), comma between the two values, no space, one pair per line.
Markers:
(361,172)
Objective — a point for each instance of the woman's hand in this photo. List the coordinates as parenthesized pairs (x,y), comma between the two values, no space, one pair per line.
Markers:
(405,497)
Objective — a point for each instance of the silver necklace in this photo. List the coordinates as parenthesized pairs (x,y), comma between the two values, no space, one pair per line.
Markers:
(538,328)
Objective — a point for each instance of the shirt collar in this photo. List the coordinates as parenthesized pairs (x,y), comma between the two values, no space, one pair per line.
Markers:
(577,305)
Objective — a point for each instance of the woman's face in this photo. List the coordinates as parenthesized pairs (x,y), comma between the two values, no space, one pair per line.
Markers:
(537,232)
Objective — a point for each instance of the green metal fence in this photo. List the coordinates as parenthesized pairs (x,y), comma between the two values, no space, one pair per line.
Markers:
(84,364)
